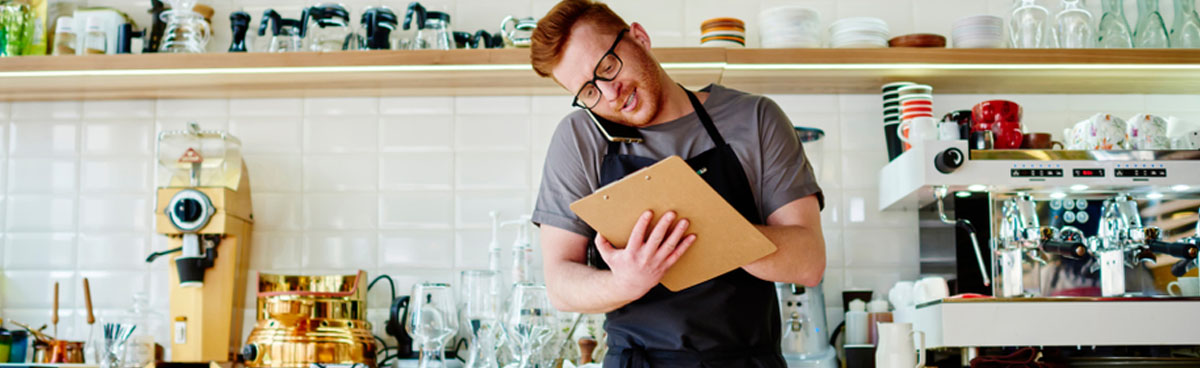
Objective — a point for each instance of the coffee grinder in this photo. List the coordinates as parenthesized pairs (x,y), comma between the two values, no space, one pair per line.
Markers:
(203,207)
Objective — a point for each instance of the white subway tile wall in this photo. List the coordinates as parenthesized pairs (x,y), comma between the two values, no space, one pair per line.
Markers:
(403,185)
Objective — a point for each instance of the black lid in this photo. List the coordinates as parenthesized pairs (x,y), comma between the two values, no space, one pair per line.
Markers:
(438,15)
(383,16)
(325,12)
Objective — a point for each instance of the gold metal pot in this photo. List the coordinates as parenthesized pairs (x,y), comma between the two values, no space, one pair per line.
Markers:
(310,319)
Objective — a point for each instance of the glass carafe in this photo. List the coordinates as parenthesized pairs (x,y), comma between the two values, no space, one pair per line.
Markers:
(1075,26)
(1151,32)
(379,25)
(479,306)
(329,28)
(1185,33)
(1030,27)
(186,32)
(1114,28)
(16,27)
(287,35)
(437,34)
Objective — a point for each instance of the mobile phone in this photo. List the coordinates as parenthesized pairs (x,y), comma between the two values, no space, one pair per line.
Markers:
(616,132)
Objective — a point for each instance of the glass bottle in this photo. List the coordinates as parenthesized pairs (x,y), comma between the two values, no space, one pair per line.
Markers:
(1186,31)
(95,40)
(1029,26)
(16,25)
(1075,26)
(1151,32)
(64,37)
(1114,28)
(139,350)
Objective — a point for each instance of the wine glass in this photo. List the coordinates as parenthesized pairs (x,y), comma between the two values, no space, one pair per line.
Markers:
(529,321)
(479,304)
(431,320)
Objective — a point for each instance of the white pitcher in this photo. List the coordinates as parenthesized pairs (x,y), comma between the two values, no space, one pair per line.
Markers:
(895,347)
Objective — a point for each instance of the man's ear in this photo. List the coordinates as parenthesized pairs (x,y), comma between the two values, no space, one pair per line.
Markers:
(639,35)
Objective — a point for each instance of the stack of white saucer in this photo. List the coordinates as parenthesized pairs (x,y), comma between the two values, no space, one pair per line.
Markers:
(978,32)
(860,32)
(790,27)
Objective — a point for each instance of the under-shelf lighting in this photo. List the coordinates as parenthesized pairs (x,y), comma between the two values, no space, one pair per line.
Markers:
(310,69)
(1154,195)
(1078,188)
(1180,188)
(1058,195)
(977,187)
(948,66)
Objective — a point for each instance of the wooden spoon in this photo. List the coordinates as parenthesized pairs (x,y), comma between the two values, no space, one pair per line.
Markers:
(87,301)
(54,317)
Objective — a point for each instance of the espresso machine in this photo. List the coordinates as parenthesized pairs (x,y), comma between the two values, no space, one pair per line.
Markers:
(1067,240)
(805,340)
(203,208)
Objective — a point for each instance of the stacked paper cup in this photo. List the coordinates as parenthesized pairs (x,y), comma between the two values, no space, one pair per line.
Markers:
(723,32)
(916,101)
(860,32)
(891,117)
(978,32)
(790,27)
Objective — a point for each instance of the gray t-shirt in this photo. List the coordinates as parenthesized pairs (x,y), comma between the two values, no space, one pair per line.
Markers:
(760,134)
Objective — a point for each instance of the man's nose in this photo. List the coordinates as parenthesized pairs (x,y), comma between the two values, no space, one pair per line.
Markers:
(611,90)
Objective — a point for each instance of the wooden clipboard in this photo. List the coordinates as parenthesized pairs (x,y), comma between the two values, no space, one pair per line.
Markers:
(724,239)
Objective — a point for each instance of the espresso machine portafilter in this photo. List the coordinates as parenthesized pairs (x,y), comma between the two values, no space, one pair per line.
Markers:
(1123,242)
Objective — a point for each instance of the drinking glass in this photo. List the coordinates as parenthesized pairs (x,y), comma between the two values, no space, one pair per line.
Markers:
(1114,28)
(479,306)
(1185,34)
(1075,26)
(431,320)
(1029,26)
(529,322)
(1151,32)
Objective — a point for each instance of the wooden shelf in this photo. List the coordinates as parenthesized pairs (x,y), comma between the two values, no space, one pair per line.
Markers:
(507,71)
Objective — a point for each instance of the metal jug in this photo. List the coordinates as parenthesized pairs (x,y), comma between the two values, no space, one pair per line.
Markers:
(287,35)
(518,32)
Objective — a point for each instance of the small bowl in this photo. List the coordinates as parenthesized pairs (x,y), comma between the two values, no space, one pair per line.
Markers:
(918,40)
(996,110)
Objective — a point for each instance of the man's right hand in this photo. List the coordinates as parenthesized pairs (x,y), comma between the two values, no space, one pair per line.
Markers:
(640,266)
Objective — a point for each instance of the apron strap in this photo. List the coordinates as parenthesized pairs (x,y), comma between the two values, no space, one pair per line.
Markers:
(614,148)
(701,113)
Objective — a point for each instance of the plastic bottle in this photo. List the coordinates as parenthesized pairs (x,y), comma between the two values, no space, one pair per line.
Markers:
(64,37)
(95,40)
(856,323)
(877,311)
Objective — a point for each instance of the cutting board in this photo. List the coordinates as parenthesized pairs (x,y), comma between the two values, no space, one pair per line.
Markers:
(724,239)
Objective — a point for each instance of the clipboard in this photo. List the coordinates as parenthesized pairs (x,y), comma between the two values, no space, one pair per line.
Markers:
(724,239)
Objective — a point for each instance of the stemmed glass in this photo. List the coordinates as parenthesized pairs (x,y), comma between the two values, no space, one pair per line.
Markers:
(432,320)
(529,321)
(479,306)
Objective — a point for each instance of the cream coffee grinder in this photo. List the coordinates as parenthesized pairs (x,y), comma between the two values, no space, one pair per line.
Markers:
(203,207)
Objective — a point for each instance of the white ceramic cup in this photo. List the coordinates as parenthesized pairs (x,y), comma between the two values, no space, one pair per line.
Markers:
(1099,132)
(949,131)
(919,130)
(929,289)
(1147,132)
(1187,286)
(1186,141)
(901,294)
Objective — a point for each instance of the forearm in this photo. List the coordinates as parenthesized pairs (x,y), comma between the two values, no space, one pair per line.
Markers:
(576,287)
(799,258)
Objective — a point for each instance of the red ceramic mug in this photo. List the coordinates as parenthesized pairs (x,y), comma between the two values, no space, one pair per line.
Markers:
(996,110)
(1008,134)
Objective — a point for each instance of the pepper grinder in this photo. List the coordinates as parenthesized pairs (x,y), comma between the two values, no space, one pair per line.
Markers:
(239,22)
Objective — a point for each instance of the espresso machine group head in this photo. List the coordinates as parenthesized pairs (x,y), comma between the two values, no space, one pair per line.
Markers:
(203,207)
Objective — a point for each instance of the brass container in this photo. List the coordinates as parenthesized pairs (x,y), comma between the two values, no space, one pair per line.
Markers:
(310,319)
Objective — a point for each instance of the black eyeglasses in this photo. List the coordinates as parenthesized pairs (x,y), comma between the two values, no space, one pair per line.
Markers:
(606,70)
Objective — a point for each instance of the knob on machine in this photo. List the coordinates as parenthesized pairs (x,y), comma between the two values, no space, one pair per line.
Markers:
(949,160)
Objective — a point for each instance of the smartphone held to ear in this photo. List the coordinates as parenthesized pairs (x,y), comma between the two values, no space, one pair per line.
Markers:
(616,132)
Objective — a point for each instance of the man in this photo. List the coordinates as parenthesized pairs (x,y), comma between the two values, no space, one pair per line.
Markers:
(750,155)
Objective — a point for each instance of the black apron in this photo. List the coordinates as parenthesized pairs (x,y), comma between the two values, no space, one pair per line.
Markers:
(731,321)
